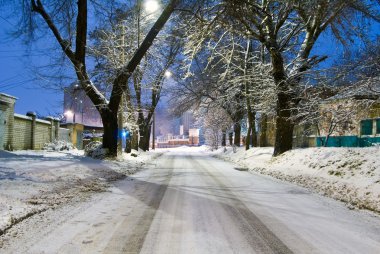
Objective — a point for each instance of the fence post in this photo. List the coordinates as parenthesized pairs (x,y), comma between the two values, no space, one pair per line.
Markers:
(33,130)
(56,124)
(374,127)
(52,131)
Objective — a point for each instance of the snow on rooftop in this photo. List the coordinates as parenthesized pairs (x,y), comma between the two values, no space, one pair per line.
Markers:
(7,95)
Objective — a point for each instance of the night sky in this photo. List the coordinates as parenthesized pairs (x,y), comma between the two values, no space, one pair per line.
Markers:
(17,79)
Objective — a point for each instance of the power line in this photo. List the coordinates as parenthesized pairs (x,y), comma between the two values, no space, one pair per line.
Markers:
(22,56)
(14,85)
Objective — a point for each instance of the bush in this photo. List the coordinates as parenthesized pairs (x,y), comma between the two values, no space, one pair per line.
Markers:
(95,150)
(58,145)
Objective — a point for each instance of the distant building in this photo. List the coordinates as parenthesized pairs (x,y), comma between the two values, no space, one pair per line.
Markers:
(169,140)
(356,117)
(348,119)
(187,121)
(78,108)
(194,137)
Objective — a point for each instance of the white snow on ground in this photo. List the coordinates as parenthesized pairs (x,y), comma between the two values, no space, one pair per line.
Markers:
(188,202)
(351,175)
(33,181)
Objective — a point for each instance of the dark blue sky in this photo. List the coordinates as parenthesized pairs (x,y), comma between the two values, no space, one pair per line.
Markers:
(17,77)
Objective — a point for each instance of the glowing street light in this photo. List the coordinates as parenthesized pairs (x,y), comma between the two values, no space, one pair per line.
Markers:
(69,115)
(168,74)
(151,6)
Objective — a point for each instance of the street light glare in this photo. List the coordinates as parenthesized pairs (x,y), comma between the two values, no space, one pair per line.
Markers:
(68,113)
(168,74)
(151,6)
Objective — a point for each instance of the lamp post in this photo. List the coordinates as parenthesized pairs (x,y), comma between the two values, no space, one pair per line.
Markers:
(69,114)
(151,6)
(168,74)
(154,131)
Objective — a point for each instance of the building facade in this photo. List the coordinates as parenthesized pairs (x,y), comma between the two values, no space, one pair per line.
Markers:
(187,122)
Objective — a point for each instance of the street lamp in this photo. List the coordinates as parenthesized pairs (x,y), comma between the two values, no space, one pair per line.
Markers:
(168,74)
(69,114)
(151,6)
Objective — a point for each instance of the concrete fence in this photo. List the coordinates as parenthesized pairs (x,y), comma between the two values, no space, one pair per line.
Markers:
(22,132)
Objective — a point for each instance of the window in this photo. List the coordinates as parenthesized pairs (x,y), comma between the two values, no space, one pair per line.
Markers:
(377,126)
(366,127)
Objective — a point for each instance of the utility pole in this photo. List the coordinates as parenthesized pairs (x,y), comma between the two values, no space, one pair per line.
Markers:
(154,131)
(121,106)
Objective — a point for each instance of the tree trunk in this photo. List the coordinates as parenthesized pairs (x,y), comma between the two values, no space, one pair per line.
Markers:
(128,147)
(230,138)
(144,137)
(135,140)
(224,137)
(110,133)
(237,132)
(263,130)
(284,126)
(251,133)
(250,113)
(247,141)
(237,118)
(285,97)
(254,135)
(284,134)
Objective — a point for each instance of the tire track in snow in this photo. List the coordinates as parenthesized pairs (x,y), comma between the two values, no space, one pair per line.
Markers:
(152,194)
(259,236)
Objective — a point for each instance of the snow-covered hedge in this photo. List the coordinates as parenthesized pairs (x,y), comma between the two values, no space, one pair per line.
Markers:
(58,145)
(95,150)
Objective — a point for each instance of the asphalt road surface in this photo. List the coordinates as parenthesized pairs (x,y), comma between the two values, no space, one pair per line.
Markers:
(193,203)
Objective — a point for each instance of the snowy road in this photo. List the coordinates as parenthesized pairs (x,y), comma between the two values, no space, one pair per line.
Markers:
(192,203)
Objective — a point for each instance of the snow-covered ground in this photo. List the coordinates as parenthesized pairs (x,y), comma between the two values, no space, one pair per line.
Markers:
(189,202)
(34,181)
(351,175)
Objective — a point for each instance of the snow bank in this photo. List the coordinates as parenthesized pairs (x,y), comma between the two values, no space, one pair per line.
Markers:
(351,175)
(58,145)
(95,150)
(34,181)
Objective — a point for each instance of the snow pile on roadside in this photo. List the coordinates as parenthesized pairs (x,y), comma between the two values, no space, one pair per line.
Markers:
(186,149)
(34,181)
(351,175)
(58,145)
(95,150)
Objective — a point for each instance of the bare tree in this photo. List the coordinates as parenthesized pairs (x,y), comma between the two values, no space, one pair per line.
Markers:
(73,42)
(214,121)
(288,30)
(116,43)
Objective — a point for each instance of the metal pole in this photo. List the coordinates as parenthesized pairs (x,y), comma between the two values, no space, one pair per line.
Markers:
(154,131)
(120,128)
(121,106)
